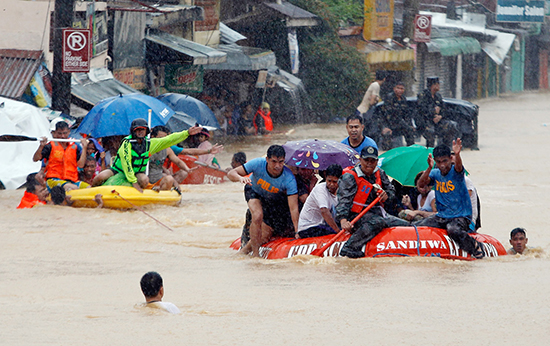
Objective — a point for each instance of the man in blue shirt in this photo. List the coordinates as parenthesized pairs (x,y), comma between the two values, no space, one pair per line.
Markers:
(356,140)
(454,208)
(272,198)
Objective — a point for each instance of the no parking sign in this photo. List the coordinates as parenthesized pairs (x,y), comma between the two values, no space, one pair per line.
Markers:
(76,50)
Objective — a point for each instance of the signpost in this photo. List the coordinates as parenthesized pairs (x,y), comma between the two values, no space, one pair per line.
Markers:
(422,28)
(76,50)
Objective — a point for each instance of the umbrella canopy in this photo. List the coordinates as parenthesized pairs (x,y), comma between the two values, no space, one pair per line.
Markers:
(181,121)
(192,107)
(113,116)
(404,163)
(316,154)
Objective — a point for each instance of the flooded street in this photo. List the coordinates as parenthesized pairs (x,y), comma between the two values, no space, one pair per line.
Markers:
(71,276)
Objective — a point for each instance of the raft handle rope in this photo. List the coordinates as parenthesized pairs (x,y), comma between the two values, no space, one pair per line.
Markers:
(140,209)
(417,240)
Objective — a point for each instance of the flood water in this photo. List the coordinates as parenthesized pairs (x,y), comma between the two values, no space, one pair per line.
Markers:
(71,276)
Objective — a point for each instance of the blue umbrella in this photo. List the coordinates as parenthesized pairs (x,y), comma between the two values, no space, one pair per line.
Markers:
(192,107)
(114,115)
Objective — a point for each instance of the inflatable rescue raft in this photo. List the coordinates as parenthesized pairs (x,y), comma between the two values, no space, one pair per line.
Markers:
(203,174)
(121,197)
(391,242)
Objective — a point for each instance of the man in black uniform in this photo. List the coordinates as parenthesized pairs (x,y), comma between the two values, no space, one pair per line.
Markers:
(396,118)
(431,116)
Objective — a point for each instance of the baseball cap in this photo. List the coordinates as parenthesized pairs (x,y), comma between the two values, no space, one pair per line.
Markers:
(369,152)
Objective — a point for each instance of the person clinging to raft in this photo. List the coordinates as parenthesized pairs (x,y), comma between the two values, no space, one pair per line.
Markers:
(272,198)
(130,163)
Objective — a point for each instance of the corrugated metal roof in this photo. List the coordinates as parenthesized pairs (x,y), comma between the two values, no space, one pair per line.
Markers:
(97,85)
(229,35)
(240,58)
(16,70)
(290,10)
(198,53)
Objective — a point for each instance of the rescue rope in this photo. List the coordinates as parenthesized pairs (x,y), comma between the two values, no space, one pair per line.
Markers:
(140,209)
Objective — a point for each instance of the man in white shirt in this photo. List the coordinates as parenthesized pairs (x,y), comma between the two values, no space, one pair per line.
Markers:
(317,216)
(372,96)
(153,290)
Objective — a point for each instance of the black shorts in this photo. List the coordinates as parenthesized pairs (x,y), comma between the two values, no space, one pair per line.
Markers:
(276,213)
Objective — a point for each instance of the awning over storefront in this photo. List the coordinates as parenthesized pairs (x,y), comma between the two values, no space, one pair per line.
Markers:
(293,15)
(98,84)
(241,58)
(179,50)
(452,46)
(499,47)
(17,68)
(383,55)
(228,35)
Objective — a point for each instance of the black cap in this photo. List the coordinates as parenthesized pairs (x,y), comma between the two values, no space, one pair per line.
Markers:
(432,80)
(139,123)
(369,152)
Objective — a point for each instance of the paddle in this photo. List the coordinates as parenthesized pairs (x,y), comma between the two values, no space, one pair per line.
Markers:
(320,251)
(21,138)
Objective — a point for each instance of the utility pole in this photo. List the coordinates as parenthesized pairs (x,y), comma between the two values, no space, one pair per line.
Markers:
(61,81)
(410,10)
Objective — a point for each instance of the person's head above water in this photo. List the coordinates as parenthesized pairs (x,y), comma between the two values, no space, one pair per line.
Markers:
(238,159)
(151,286)
(518,239)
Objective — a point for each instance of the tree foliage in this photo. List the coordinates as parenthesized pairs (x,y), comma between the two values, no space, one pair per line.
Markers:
(334,73)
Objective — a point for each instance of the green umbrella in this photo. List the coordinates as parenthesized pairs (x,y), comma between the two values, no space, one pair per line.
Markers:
(404,163)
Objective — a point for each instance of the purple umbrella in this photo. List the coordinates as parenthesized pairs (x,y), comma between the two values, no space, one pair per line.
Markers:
(316,154)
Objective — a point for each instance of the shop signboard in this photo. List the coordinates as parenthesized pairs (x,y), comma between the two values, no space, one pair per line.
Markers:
(520,11)
(378,21)
(186,78)
(422,28)
(131,76)
(76,50)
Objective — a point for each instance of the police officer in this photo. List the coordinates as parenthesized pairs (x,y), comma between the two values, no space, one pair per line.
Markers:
(397,118)
(431,115)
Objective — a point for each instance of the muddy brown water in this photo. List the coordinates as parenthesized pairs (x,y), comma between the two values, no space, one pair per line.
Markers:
(71,276)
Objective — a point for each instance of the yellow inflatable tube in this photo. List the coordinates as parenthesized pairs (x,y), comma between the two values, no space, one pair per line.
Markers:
(84,198)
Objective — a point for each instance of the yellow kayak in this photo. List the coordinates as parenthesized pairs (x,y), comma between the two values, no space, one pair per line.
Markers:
(121,197)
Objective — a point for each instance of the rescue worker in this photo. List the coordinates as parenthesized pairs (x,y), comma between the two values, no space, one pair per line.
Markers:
(262,119)
(357,188)
(432,119)
(62,159)
(397,119)
(130,163)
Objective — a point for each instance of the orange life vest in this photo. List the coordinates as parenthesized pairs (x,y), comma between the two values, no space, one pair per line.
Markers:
(268,123)
(364,189)
(62,163)
(29,200)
